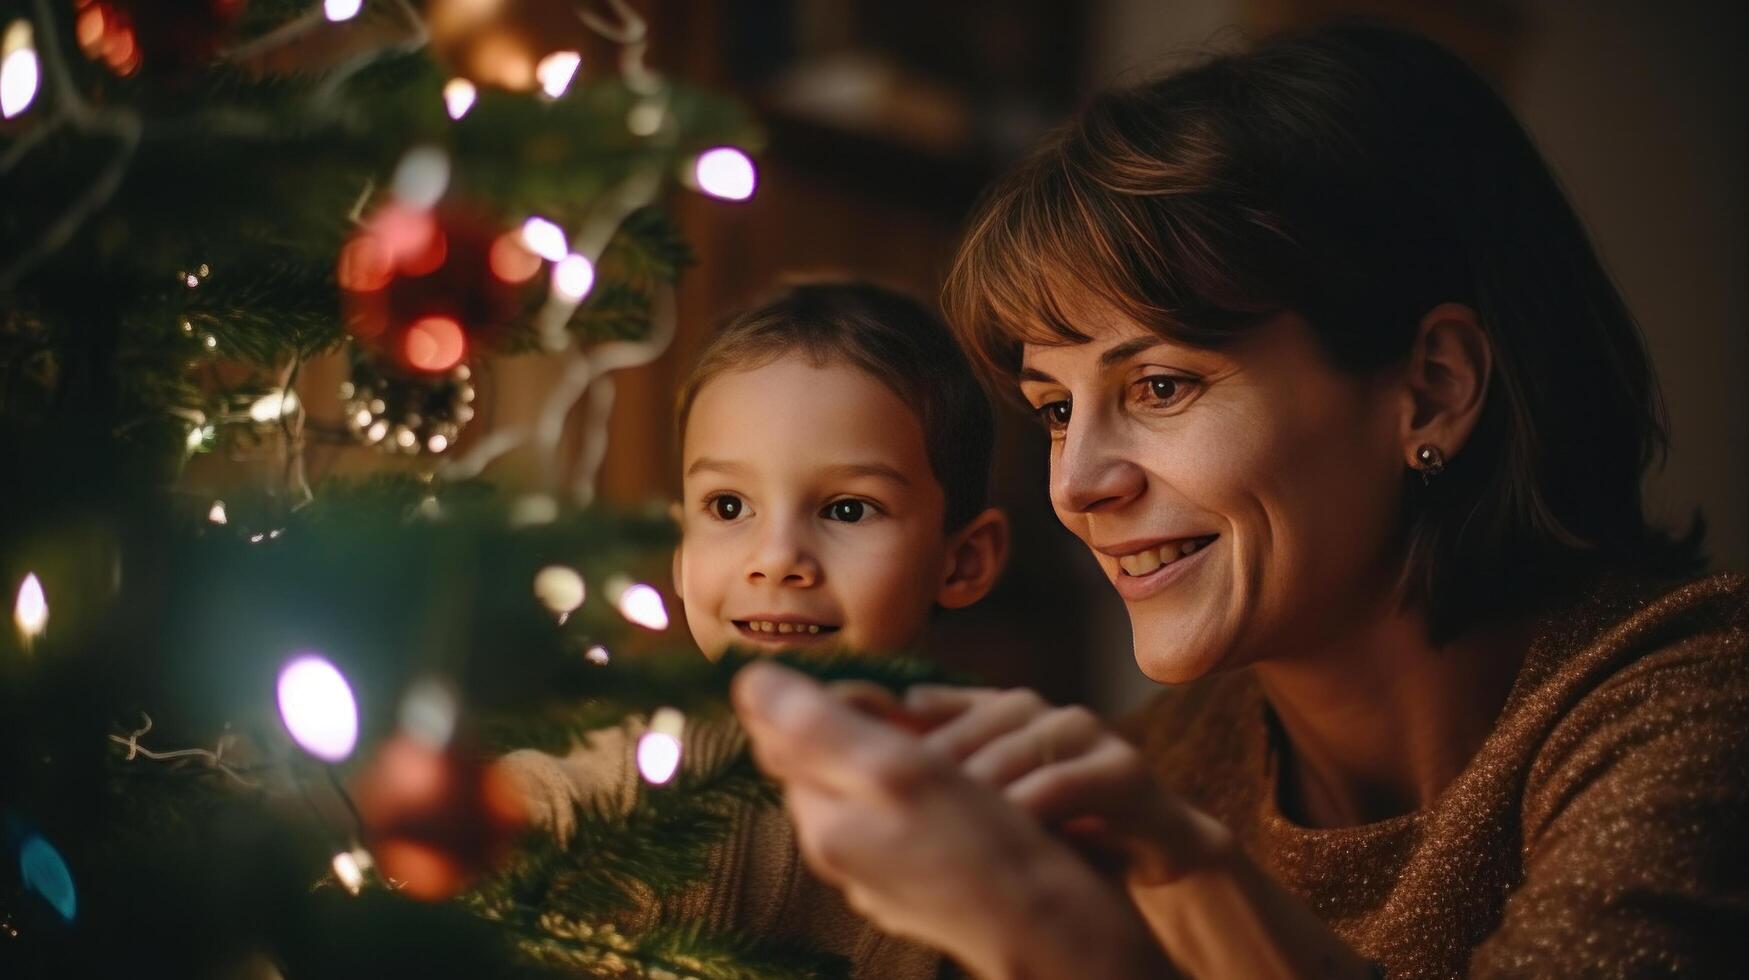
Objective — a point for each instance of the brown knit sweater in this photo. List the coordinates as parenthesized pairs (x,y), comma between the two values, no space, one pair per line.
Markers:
(1602,830)
(757,883)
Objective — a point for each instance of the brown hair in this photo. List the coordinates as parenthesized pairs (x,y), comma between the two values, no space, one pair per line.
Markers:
(891,338)
(1359,177)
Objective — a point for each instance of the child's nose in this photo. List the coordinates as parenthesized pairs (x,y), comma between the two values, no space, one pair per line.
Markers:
(783,559)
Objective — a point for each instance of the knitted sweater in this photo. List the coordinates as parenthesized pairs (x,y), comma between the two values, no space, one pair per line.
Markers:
(1602,830)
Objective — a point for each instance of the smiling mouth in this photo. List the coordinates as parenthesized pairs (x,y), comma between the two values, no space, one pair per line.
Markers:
(791,630)
(1150,560)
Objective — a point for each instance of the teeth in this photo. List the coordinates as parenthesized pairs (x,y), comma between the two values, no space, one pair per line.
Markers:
(1143,562)
(781,629)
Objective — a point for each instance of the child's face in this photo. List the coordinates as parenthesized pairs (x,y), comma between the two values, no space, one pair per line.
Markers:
(811,517)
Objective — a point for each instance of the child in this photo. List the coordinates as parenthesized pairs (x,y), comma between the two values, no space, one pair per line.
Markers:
(835,453)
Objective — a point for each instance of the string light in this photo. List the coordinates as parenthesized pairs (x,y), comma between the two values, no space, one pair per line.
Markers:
(30,613)
(556,70)
(428,712)
(435,343)
(317,706)
(216,513)
(339,10)
(659,748)
(641,604)
(274,406)
(421,177)
(20,72)
(545,239)
(458,97)
(597,655)
(41,869)
(725,173)
(348,872)
(560,589)
(573,277)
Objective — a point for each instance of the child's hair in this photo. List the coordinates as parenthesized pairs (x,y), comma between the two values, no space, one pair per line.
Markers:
(891,338)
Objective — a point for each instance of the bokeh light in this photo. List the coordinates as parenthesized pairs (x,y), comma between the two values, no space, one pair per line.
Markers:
(556,70)
(42,870)
(725,173)
(316,704)
(659,748)
(573,277)
(458,97)
(642,604)
(31,610)
(435,343)
(20,71)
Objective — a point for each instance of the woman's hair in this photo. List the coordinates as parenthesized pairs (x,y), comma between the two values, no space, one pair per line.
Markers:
(1358,177)
(891,338)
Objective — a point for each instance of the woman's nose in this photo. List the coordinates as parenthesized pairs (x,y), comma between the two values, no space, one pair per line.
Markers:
(783,558)
(1093,472)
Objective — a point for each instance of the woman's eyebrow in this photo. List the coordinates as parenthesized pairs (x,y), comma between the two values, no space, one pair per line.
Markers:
(1128,349)
(1034,374)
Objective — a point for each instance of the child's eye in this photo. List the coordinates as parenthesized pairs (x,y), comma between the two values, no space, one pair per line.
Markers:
(848,511)
(1054,415)
(724,506)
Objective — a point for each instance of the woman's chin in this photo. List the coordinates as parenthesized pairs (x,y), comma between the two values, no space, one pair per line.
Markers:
(1176,648)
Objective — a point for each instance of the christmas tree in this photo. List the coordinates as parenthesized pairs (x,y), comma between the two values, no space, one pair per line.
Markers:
(251,735)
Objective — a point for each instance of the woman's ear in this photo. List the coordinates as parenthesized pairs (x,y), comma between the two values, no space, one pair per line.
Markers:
(1446,381)
(976,555)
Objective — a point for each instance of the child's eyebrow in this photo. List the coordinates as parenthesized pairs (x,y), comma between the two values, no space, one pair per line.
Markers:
(719,465)
(878,470)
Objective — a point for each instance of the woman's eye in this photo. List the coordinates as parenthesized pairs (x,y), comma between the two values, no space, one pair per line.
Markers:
(1162,390)
(1055,415)
(725,506)
(848,511)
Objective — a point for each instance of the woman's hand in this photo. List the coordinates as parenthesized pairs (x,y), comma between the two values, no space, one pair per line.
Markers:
(1072,773)
(926,851)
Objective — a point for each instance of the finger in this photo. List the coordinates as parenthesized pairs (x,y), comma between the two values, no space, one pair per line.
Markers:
(937,703)
(877,702)
(1055,737)
(1101,782)
(986,719)
(801,733)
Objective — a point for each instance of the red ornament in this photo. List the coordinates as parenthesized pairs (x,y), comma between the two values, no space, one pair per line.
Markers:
(165,38)
(435,819)
(426,288)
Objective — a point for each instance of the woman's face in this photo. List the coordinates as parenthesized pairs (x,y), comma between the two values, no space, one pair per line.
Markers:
(1244,502)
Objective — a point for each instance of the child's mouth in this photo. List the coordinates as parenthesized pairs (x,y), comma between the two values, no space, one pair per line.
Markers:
(783,630)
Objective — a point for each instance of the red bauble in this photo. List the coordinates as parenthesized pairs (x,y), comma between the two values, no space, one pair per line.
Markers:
(163,38)
(427,288)
(435,819)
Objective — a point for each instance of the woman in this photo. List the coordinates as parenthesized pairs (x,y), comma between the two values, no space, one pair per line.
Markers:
(1349,413)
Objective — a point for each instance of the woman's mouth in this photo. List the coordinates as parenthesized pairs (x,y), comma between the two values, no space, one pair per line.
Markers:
(783,630)
(1143,573)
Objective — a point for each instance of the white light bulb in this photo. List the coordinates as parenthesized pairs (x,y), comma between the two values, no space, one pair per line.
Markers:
(659,748)
(31,611)
(597,655)
(458,97)
(20,72)
(428,712)
(573,277)
(274,406)
(422,176)
(560,589)
(348,872)
(545,239)
(216,513)
(339,10)
(642,604)
(726,173)
(316,704)
(556,70)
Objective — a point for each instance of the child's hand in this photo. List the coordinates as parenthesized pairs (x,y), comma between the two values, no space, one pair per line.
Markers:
(1065,767)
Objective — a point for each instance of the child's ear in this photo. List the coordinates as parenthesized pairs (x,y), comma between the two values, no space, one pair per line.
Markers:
(976,555)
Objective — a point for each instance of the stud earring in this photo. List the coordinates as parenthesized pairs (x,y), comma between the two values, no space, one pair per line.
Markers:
(1429,461)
